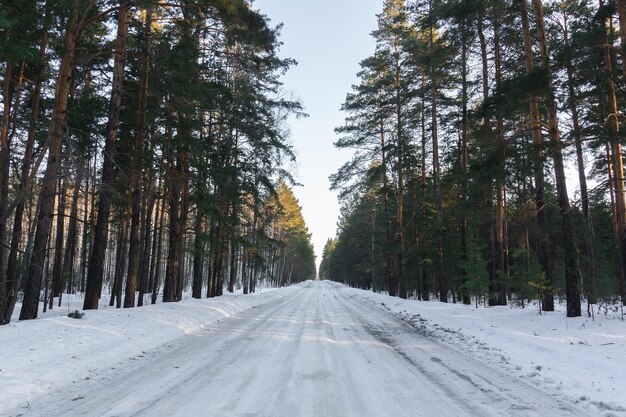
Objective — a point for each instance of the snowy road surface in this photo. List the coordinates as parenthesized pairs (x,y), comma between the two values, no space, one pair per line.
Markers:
(317,353)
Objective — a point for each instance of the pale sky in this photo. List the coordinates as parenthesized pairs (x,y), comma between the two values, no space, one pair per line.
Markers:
(328,38)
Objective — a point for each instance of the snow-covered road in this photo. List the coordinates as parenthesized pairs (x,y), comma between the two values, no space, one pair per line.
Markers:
(319,352)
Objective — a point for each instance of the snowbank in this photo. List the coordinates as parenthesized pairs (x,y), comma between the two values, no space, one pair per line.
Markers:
(44,355)
(579,358)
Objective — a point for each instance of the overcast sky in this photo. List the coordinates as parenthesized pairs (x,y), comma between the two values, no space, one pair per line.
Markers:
(328,38)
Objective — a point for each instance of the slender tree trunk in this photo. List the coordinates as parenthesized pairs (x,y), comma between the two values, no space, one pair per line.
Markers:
(253,258)
(544,247)
(145,257)
(46,276)
(72,231)
(588,238)
(5,151)
(182,226)
(198,258)
(87,222)
(57,266)
(464,139)
(175,237)
(133,256)
(156,280)
(439,263)
(391,279)
(244,272)
(402,278)
(233,262)
(210,251)
(155,235)
(424,275)
(118,254)
(217,281)
(233,246)
(100,240)
(120,262)
(500,217)
(489,226)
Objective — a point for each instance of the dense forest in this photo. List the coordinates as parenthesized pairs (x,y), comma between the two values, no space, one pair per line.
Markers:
(488,161)
(142,153)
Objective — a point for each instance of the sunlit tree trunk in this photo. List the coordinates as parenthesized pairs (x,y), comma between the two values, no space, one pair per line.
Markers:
(57,268)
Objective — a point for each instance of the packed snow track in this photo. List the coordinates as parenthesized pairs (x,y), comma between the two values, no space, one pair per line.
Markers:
(317,353)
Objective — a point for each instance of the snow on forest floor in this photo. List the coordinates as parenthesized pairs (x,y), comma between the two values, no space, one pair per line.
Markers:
(42,355)
(580,358)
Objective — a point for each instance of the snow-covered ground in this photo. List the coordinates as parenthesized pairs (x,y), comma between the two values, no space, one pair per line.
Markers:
(310,350)
(581,358)
(42,356)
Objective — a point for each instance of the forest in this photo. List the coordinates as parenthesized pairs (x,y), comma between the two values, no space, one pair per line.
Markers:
(144,154)
(488,161)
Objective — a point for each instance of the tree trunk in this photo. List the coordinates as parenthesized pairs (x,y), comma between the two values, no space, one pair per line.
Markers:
(617,161)
(156,277)
(489,225)
(175,237)
(145,246)
(135,175)
(155,235)
(439,264)
(500,214)
(401,278)
(72,231)
(198,255)
(588,234)
(463,177)
(57,266)
(424,274)
(253,258)
(391,279)
(572,272)
(233,262)
(100,240)
(120,262)
(48,187)
(7,301)
(544,247)
(5,151)
(182,226)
